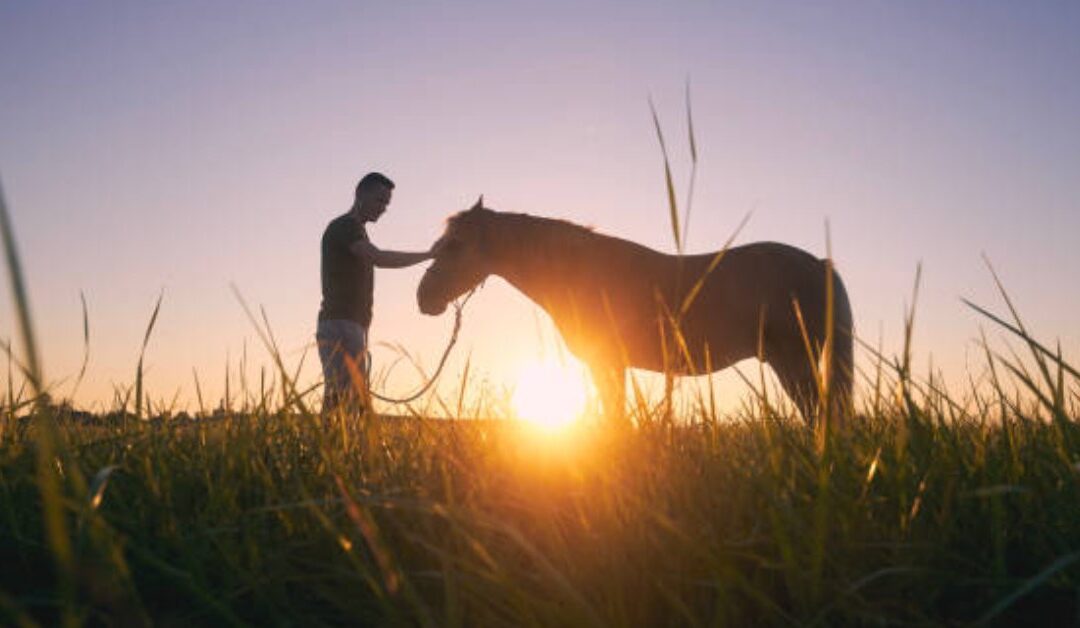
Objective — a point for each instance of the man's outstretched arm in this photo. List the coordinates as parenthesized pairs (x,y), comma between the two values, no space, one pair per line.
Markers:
(388,259)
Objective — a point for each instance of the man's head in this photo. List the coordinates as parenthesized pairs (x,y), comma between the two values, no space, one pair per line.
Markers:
(372,196)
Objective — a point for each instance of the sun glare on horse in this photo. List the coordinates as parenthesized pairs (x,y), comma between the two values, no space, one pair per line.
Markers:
(549,395)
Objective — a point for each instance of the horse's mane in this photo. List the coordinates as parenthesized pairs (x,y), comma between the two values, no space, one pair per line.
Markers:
(526,230)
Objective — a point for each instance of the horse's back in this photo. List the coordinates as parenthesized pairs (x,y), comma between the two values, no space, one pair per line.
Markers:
(752,292)
(761,274)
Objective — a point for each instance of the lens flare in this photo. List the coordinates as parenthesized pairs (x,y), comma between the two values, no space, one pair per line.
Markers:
(549,394)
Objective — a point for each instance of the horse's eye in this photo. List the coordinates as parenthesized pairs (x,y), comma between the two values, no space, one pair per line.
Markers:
(450,247)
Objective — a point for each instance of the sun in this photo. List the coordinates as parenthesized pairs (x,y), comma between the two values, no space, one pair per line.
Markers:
(549,394)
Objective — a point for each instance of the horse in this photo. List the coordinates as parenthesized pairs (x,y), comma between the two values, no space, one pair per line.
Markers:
(618,304)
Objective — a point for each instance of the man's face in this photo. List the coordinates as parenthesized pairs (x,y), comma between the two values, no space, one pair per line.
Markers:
(373,202)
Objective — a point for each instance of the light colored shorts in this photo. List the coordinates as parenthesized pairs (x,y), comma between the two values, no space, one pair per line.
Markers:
(341,341)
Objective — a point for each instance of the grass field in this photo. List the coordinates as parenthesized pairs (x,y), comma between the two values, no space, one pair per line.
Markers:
(925,509)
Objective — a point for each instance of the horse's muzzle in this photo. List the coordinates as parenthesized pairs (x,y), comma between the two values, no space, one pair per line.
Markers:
(430,308)
(428,303)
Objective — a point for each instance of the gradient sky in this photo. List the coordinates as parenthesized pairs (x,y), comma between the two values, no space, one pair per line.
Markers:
(183,146)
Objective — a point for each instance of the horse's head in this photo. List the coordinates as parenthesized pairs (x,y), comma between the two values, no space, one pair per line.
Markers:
(461,260)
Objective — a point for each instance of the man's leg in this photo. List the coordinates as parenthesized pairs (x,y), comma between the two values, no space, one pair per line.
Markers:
(343,352)
(329,351)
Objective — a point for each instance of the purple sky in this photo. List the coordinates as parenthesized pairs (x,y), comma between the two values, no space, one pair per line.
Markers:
(188,145)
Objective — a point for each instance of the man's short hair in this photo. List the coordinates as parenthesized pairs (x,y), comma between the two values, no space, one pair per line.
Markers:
(373,179)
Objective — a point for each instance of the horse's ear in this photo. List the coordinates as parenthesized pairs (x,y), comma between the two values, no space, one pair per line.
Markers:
(479,202)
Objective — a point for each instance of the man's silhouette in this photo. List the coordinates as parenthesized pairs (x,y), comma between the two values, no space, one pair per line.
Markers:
(348,281)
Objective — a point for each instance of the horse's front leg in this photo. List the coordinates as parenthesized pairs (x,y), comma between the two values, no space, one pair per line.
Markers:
(610,383)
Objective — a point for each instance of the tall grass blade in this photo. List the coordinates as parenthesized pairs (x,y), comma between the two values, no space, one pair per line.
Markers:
(142,355)
(1019,331)
(21,298)
(824,384)
(27,375)
(692,294)
(1030,585)
(673,206)
(267,338)
(226,402)
(98,485)
(904,367)
(464,381)
(693,163)
(86,344)
(48,440)
(1040,360)
(198,392)
(10,405)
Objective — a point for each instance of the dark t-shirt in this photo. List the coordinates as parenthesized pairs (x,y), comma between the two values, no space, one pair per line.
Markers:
(348,280)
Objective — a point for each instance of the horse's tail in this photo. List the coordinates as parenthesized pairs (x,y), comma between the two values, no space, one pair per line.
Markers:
(842,369)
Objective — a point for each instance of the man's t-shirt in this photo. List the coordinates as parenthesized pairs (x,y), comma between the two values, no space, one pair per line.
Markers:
(348,280)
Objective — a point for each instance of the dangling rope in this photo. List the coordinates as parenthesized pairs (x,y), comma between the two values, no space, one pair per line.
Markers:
(459,306)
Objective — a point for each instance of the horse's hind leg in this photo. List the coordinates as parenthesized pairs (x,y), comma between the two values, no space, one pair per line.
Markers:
(611,386)
(796,375)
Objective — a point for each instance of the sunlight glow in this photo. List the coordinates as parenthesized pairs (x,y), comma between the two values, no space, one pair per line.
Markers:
(550,394)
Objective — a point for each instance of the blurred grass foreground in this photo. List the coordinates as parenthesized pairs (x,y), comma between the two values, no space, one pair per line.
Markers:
(925,509)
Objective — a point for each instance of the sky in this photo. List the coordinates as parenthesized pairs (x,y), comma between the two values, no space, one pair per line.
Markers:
(186,147)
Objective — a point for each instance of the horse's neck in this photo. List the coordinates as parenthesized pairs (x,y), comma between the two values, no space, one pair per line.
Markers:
(531,261)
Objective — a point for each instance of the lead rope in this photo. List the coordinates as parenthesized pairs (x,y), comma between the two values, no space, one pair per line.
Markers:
(459,307)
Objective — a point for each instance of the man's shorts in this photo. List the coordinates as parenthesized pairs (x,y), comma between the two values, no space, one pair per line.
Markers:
(340,343)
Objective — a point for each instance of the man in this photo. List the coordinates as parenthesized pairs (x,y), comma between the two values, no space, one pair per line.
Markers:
(348,281)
